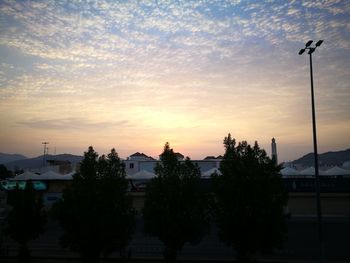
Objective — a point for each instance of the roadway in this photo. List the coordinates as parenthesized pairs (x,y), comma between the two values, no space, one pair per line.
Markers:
(302,244)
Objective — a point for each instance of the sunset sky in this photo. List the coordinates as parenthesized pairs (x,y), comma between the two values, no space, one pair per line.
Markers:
(136,74)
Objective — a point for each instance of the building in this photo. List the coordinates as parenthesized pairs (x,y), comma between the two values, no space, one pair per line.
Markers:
(139,161)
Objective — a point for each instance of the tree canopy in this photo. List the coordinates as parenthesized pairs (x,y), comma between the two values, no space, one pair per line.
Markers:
(4,173)
(26,217)
(250,199)
(95,212)
(175,207)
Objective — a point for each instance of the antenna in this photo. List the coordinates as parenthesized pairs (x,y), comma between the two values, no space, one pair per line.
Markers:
(46,149)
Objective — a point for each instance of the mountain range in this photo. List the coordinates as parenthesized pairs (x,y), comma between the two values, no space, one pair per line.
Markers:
(14,162)
(6,158)
(324,159)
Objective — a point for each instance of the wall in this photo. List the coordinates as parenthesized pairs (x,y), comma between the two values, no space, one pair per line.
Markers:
(332,204)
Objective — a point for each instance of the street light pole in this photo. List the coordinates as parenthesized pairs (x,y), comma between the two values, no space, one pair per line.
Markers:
(317,176)
(45,152)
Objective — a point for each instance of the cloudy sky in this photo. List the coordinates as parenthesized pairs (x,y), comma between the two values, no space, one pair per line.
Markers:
(136,74)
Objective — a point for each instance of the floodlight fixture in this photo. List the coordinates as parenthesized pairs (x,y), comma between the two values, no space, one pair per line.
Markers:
(319,43)
(308,43)
(311,50)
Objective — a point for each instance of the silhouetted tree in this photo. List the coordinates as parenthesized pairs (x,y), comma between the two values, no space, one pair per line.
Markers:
(26,218)
(4,173)
(175,204)
(250,199)
(95,212)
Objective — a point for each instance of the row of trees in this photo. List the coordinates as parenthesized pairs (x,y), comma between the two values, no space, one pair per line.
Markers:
(246,202)
(4,172)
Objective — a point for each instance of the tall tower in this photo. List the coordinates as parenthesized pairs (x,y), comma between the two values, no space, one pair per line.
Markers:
(274,150)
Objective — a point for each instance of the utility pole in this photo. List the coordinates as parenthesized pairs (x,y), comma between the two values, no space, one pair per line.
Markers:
(45,152)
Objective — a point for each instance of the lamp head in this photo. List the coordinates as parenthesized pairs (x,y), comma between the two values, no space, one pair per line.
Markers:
(311,50)
(319,43)
(301,51)
(308,43)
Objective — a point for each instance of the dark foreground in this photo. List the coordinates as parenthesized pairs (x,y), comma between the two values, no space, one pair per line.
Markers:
(74,260)
(301,246)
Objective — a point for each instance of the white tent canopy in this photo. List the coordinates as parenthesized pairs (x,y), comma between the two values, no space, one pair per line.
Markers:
(337,171)
(288,171)
(25,176)
(141,175)
(346,165)
(311,171)
(208,173)
(49,175)
(68,176)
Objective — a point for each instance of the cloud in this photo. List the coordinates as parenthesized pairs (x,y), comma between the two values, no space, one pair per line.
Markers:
(72,124)
(228,62)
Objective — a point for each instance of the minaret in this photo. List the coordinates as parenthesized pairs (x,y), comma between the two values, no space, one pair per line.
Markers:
(274,150)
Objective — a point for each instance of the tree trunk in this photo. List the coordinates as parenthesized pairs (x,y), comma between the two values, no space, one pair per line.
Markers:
(91,256)
(170,254)
(244,256)
(24,253)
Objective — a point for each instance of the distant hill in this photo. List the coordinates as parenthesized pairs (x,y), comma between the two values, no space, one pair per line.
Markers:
(37,162)
(5,157)
(328,158)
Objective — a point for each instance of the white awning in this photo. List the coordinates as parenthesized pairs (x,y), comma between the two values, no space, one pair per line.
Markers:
(289,171)
(207,174)
(311,171)
(141,175)
(346,165)
(337,171)
(50,175)
(68,176)
(25,176)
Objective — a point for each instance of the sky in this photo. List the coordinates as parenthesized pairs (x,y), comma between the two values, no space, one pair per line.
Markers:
(134,75)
